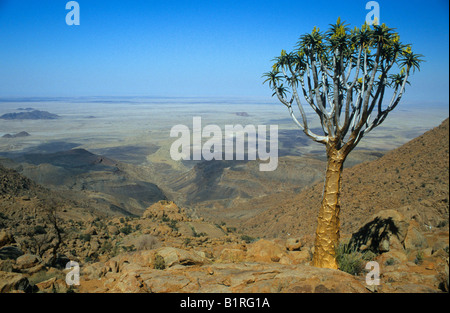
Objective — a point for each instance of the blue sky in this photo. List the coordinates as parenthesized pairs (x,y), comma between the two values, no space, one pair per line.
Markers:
(191,47)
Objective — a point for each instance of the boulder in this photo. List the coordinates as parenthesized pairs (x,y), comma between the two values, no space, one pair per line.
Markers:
(6,265)
(27,261)
(53,285)
(265,251)
(293,244)
(414,239)
(384,229)
(299,257)
(113,230)
(233,278)
(174,256)
(232,255)
(166,209)
(90,231)
(10,282)
(6,238)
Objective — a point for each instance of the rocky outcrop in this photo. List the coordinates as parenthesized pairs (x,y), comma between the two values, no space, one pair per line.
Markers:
(10,282)
(386,228)
(6,238)
(166,209)
(241,278)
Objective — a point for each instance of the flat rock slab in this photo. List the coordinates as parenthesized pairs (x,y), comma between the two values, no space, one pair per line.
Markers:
(234,278)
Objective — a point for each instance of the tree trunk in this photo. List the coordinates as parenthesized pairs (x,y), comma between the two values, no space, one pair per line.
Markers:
(327,233)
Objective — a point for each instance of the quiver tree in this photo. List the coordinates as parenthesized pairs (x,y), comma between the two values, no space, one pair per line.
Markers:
(343,75)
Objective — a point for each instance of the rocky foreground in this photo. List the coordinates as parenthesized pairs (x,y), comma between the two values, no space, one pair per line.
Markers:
(167,251)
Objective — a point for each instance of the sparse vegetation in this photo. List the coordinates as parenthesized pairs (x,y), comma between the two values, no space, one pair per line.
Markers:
(159,262)
(390,261)
(173,225)
(419,258)
(187,241)
(351,261)
(39,230)
(107,247)
(248,239)
(127,229)
(85,237)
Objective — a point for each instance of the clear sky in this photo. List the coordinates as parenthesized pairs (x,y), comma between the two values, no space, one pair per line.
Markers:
(191,47)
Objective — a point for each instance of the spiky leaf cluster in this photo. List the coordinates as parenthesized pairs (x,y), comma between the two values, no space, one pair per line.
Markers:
(343,74)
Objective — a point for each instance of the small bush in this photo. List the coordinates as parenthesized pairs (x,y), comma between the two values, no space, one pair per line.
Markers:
(39,230)
(173,224)
(349,260)
(389,262)
(106,248)
(247,238)
(187,241)
(43,276)
(127,229)
(85,237)
(165,219)
(419,258)
(442,224)
(159,264)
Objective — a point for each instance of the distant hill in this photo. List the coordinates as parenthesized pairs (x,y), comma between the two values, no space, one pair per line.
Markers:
(414,176)
(18,135)
(30,115)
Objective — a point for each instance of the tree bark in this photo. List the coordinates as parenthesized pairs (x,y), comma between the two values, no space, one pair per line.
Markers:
(328,225)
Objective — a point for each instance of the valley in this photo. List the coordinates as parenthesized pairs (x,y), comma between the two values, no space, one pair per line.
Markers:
(115,151)
(99,187)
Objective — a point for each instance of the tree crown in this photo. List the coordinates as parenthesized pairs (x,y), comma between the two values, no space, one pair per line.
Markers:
(343,75)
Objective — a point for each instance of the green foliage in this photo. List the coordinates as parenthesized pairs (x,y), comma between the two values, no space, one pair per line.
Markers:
(165,219)
(173,224)
(43,276)
(344,74)
(419,258)
(85,237)
(442,224)
(127,229)
(248,239)
(39,230)
(129,248)
(159,262)
(107,247)
(187,241)
(390,261)
(350,260)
